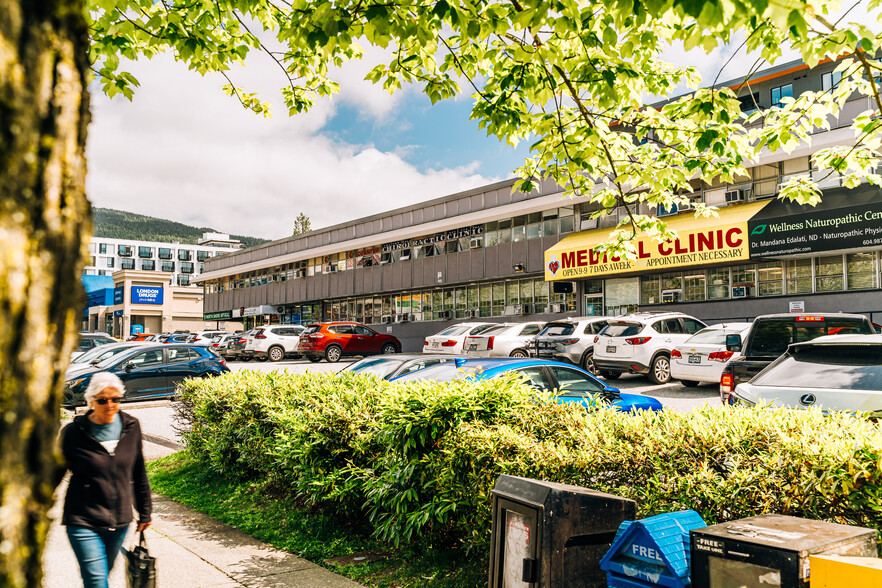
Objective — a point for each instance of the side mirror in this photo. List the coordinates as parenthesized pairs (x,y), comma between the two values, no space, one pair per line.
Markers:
(95,361)
(127,366)
(733,342)
(611,393)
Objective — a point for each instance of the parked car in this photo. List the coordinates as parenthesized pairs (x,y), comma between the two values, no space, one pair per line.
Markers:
(450,341)
(770,336)
(833,372)
(704,355)
(273,342)
(141,337)
(641,343)
(504,340)
(89,341)
(148,371)
(392,366)
(572,383)
(98,354)
(204,338)
(235,347)
(333,341)
(220,343)
(174,338)
(570,340)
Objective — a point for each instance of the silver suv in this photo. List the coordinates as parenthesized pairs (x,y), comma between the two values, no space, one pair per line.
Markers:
(641,343)
(570,340)
(273,342)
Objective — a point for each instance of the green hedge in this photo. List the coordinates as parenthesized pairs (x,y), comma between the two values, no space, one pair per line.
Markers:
(419,459)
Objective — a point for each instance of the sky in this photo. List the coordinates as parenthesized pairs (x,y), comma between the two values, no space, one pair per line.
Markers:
(184,151)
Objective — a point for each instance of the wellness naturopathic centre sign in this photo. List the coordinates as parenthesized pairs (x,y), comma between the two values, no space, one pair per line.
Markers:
(701,241)
(146,295)
(843,220)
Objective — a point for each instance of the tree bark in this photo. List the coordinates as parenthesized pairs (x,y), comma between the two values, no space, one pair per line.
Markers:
(44,226)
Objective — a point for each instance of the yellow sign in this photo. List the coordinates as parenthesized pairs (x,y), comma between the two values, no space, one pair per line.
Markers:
(701,241)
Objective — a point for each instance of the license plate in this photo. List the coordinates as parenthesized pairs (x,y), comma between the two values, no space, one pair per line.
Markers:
(473,347)
(694,359)
(434,344)
(610,349)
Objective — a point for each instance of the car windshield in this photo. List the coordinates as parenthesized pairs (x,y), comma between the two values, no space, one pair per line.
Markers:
(557,329)
(94,353)
(621,329)
(443,372)
(378,366)
(844,367)
(712,336)
(771,337)
(109,361)
(452,331)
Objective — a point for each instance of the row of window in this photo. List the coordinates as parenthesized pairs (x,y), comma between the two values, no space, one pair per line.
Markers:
(503,298)
(147,252)
(128,263)
(829,273)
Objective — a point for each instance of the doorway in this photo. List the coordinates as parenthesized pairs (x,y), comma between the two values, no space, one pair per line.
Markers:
(593,305)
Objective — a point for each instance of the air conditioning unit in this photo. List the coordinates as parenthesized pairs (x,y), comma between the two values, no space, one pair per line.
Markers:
(403,318)
(301,273)
(558,307)
(734,196)
(518,309)
(671,296)
(741,291)
(386,319)
(476,242)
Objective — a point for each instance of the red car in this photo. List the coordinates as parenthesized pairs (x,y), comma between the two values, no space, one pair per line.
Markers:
(334,340)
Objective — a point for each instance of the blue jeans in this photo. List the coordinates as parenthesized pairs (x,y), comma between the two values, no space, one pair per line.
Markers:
(96,550)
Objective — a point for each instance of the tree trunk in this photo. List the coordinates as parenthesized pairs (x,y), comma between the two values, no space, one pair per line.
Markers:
(44,225)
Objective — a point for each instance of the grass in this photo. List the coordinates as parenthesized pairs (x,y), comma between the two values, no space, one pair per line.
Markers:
(280,521)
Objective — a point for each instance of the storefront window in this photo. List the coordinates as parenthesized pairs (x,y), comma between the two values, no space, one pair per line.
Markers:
(799,276)
(694,286)
(770,277)
(448,299)
(459,295)
(828,273)
(472,297)
(861,270)
(485,300)
(744,275)
(498,298)
(650,289)
(718,286)
(673,281)
(526,291)
(540,295)
(622,295)
(511,293)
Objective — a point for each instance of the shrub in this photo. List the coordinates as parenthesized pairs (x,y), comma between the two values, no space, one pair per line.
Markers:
(419,459)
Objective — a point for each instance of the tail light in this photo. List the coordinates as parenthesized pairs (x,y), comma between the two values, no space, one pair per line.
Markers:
(727,384)
(637,340)
(222,361)
(448,343)
(425,343)
(721,356)
(260,336)
(569,341)
(676,354)
(490,342)
(215,344)
(596,338)
(240,342)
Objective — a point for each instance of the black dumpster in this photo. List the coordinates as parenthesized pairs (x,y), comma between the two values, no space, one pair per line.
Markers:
(548,535)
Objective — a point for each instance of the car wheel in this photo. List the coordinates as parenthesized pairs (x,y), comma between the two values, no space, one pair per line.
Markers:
(314,358)
(588,363)
(519,353)
(689,383)
(276,353)
(610,375)
(660,372)
(333,353)
(388,349)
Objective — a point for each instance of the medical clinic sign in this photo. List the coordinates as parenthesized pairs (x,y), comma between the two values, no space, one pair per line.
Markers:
(701,241)
(146,295)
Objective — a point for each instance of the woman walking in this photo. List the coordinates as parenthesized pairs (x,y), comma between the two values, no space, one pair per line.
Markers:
(103,451)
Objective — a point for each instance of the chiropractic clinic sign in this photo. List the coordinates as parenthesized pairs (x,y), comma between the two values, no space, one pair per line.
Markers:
(146,295)
(701,241)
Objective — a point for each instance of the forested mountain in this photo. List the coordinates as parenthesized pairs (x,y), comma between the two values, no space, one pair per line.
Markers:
(118,224)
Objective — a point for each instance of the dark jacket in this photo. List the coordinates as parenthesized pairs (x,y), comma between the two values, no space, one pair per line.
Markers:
(103,488)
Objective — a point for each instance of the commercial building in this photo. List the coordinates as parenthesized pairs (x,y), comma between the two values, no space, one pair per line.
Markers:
(181,262)
(497,254)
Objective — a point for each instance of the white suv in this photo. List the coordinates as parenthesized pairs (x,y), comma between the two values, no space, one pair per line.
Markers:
(273,342)
(641,343)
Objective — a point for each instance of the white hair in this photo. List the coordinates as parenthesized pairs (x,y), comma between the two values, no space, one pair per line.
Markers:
(99,382)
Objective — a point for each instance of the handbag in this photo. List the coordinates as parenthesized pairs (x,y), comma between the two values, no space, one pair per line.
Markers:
(140,566)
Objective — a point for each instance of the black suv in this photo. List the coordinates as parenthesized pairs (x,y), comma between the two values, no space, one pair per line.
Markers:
(771,334)
(90,341)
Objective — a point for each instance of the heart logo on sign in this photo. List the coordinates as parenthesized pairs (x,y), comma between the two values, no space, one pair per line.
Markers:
(553,267)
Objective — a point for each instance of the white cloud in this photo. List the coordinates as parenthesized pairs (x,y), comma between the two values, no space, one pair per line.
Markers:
(183,150)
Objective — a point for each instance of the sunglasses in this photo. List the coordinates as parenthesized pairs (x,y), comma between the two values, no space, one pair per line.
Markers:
(103,401)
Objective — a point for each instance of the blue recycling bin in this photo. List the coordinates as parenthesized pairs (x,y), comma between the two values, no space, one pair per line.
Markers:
(651,552)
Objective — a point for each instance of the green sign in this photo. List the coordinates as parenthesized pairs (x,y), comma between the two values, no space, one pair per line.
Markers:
(218,316)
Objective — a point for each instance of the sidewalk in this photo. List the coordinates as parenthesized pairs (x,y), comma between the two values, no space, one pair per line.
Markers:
(192,551)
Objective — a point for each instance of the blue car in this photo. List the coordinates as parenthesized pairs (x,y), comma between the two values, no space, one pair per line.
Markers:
(571,383)
(148,371)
